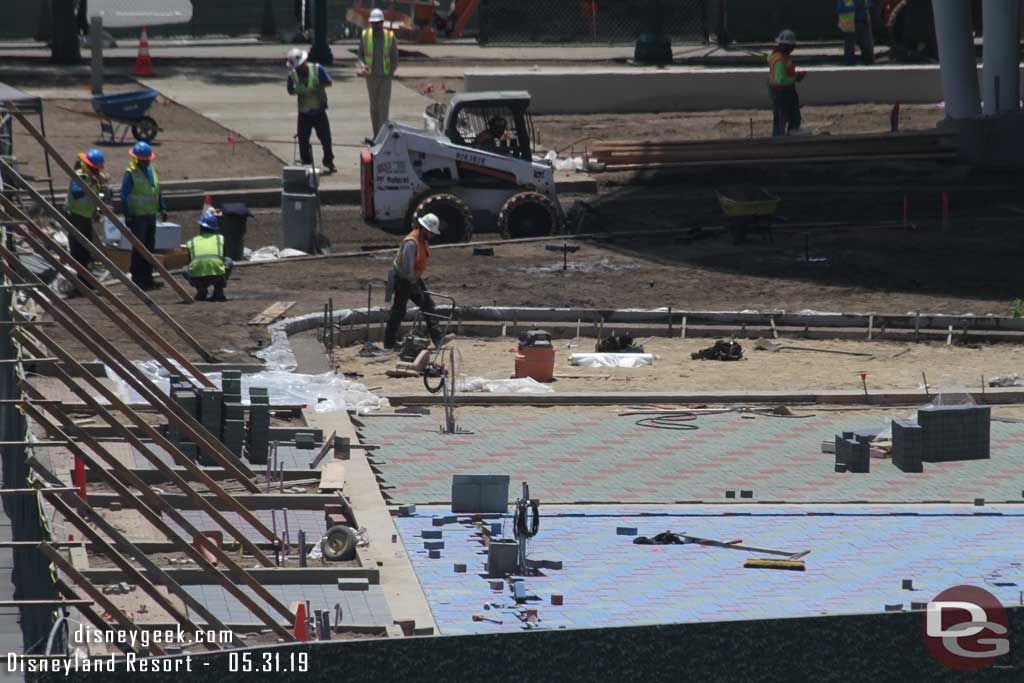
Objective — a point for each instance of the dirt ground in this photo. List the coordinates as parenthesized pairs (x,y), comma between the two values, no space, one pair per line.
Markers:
(873,271)
(673,369)
(190,145)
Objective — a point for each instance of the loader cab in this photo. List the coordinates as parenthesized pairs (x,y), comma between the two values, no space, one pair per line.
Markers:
(475,119)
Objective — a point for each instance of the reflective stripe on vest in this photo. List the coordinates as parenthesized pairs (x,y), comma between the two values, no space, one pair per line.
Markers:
(206,256)
(144,199)
(848,17)
(84,205)
(311,95)
(789,78)
(389,39)
(422,254)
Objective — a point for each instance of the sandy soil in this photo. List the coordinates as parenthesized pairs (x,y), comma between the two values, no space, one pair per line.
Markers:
(673,370)
(190,146)
(874,271)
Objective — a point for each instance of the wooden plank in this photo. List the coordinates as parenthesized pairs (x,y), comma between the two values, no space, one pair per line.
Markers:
(328,445)
(272,313)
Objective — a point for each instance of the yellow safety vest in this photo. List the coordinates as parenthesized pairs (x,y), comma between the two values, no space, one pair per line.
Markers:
(206,256)
(82,206)
(848,17)
(311,95)
(144,199)
(389,40)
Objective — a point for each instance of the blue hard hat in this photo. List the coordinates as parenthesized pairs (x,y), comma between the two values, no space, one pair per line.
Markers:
(209,222)
(94,158)
(142,151)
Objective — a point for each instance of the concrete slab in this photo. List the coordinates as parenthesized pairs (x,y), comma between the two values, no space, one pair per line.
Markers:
(598,89)
(255,105)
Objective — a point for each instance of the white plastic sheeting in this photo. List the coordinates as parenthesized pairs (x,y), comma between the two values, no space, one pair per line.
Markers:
(273,253)
(135,13)
(521,385)
(612,360)
(326,392)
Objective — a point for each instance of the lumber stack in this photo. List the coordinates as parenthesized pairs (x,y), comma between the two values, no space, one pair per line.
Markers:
(630,155)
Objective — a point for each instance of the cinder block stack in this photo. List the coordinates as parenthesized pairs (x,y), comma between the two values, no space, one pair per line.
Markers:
(853,453)
(907,445)
(233,429)
(259,426)
(956,433)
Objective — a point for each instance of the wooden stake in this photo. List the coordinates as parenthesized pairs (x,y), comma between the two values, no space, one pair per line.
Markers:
(775,332)
(682,330)
(871,326)
(949,336)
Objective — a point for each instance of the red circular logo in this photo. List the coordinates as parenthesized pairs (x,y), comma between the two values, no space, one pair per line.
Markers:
(966,628)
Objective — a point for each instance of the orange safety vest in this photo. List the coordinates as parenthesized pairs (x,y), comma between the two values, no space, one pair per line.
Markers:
(422,253)
(790,77)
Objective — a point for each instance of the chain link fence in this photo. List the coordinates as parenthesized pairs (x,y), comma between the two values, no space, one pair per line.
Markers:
(514,22)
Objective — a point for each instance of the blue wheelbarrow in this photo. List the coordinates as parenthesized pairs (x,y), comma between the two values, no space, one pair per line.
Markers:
(126,111)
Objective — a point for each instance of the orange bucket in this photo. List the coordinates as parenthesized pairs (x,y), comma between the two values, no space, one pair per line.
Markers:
(536,362)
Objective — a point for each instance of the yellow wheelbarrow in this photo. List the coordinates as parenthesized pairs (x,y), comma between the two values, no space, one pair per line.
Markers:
(746,209)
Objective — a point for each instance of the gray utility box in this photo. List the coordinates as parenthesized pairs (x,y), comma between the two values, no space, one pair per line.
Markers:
(502,558)
(300,208)
(481,493)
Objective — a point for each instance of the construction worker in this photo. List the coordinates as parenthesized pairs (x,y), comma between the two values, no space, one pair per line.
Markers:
(308,82)
(405,280)
(492,138)
(782,80)
(80,207)
(378,61)
(207,266)
(141,200)
(855,23)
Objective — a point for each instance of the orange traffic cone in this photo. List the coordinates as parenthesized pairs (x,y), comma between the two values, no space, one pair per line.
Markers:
(207,205)
(143,63)
(299,629)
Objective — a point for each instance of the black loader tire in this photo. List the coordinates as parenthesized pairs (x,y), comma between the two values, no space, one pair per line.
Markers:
(145,129)
(528,214)
(456,218)
(339,544)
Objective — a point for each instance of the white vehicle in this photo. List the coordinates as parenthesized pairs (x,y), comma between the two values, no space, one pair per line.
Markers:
(473,167)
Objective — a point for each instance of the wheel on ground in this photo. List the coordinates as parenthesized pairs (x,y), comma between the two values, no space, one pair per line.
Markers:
(528,214)
(145,129)
(454,214)
(340,543)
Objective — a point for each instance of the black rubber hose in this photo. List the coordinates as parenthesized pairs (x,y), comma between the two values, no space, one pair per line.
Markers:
(522,530)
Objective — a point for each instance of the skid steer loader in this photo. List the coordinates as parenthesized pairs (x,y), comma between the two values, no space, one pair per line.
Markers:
(457,168)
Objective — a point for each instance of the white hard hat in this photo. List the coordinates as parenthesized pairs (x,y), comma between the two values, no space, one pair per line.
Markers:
(376,16)
(431,222)
(296,57)
(787,37)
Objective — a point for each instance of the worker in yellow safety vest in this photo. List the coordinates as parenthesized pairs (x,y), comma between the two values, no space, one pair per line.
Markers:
(81,207)
(141,201)
(308,81)
(782,80)
(207,266)
(855,24)
(378,61)
(405,280)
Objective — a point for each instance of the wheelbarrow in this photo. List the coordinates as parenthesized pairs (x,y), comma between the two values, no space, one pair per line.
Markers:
(747,209)
(126,111)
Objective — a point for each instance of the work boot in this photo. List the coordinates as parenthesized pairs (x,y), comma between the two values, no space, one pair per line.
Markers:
(329,169)
(201,294)
(218,294)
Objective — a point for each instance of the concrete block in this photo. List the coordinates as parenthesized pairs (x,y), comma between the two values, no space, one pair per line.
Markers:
(460,568)
(406,510)
(907,584)
(907,446)
(434,554)
(233,436)
(519,590)
(497,585)
(433,545)
(897,607)
(979,502)
(480,493)
(918,605)
(953,433)
(361,584)
(625,531)
(496,526)
(852,455)
(431,533)
(557,599)
(502,558)
(746,494)
(305,441)
(233,410)
(730,494)
(334,519)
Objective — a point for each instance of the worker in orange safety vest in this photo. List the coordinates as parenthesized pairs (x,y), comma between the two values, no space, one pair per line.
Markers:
(405,280)
(782,80)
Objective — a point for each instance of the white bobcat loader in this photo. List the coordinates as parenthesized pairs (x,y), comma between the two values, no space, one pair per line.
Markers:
(472,166)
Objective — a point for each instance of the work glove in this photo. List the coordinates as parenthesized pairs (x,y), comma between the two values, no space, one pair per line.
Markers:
(163,216)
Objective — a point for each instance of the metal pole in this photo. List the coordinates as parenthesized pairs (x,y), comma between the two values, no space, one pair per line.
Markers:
(369,295)
(96,44)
